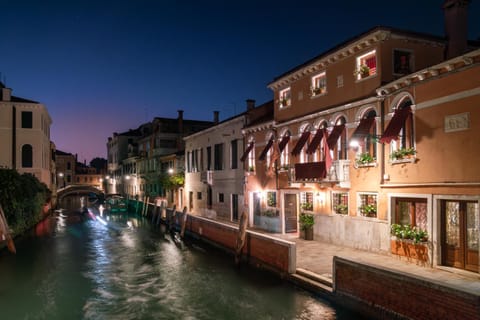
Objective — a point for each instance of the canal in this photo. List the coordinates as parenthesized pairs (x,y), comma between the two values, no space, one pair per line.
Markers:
(122,267)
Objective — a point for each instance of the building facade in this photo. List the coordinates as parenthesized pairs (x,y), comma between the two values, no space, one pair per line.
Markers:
(362,156)
(25,136)
(214,177)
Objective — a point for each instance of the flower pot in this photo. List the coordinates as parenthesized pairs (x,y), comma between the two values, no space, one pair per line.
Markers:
(309,234)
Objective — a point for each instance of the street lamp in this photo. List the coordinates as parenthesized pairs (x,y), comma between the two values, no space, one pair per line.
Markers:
(170,171)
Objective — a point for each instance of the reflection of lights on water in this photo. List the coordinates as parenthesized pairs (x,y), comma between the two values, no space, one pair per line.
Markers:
(101,220)
(101,208)
(108,218)
(129,223)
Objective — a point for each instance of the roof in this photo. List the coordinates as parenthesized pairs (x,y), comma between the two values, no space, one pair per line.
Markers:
(62,153)
(18,99)
(408,33)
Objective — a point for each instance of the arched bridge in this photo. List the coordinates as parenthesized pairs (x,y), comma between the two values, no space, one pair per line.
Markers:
(77,189)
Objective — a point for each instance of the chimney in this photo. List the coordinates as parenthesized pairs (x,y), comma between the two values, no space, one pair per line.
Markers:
(215,117)
(180,121)
(250,104)
(6,93)
(456,27)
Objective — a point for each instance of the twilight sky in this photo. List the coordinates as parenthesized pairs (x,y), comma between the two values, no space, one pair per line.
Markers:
(104,66)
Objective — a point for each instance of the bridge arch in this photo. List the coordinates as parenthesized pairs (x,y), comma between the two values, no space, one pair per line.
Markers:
(77,189)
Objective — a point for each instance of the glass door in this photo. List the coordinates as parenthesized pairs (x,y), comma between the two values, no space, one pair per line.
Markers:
(460,234)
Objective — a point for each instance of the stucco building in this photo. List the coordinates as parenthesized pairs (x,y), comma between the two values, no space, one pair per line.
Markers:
(25,136)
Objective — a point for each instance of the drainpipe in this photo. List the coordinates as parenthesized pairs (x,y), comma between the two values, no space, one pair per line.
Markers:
(382,147)
(14,137)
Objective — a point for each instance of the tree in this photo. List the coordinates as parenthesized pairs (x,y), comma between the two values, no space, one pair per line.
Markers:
(99,163)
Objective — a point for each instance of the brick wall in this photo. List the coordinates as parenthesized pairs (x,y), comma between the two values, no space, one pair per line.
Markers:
(272,253)
(396,295)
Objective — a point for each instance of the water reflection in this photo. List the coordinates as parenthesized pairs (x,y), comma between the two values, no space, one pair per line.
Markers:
(75,267)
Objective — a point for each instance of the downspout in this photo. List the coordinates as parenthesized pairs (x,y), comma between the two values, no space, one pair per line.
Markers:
(14,137)
(382,130)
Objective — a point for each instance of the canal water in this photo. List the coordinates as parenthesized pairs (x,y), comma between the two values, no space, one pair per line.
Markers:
(72,266)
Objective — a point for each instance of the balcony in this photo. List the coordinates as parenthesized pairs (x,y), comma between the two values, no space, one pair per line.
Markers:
(339,173)
(206,177)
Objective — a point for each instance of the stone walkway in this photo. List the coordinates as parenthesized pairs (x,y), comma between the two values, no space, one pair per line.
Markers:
(317,257)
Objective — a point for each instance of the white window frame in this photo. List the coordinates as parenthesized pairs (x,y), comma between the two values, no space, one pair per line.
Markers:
(360,60)
(318,84)
(285,95)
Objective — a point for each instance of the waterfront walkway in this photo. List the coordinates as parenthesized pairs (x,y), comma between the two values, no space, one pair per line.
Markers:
(317,257)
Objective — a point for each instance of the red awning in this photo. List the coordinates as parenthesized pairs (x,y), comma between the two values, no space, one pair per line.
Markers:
(396,124)
(265,150)
(363,128)
(300,143)
(247,151)
(310,171)
(315,141)
(334,135)
(283,143)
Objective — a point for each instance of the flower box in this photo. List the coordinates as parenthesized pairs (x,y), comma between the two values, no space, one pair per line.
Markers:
(410,249)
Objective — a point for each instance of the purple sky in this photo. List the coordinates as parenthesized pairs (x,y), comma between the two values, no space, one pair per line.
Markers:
(105,66)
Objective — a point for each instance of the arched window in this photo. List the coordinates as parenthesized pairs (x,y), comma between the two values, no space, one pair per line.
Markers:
(27,156)
(304,157)
(364,138)
(283,148)
(407,132)
(339,133)
(371,138)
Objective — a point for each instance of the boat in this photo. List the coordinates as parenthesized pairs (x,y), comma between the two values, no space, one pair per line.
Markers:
(116,203)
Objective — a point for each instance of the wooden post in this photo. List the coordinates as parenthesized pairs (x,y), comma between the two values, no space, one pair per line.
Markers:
(5,232)
(171,219)
(184,222)
(241,236)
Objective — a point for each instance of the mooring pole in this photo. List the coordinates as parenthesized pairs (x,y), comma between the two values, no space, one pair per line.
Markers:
(241,236)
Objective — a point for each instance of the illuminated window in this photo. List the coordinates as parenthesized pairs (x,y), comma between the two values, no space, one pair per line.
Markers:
(366,65)
(367,204)
(306,201)
(340,202)
(319,84)
(411,211)
(285,98)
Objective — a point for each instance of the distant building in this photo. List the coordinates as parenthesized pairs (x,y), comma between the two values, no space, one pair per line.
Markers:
(214,182)
(134,156)
(65,167)
(25,136)
(86,175)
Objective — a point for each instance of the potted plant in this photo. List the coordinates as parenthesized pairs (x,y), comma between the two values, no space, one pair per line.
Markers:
(403,153)
(410,242)
(363,71)
(283,102)
(308,206)
(364,158)
(317,90)
(306,225)
(341,208)
(368,210)
(251,168)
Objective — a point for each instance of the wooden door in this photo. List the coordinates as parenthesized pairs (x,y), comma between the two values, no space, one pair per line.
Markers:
(290,209)
(460,234)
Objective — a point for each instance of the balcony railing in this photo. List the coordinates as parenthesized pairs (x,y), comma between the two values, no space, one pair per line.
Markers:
(206,177)
(339,173)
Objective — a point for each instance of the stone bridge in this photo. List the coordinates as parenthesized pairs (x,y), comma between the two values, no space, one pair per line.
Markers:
(77,189)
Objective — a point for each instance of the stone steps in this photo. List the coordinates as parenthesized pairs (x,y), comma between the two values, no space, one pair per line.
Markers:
(312,282)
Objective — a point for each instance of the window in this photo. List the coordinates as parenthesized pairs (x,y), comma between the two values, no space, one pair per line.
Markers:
(209,157)
(411,211)
(218,157)
(337,140)
(306,201)
(340,81)
(402,62)
(364,139)
(251,160)
(167,143)
(199,196)
(366,65)
(368,204)
(271,199)
(319,84)
(283,148)
(220,197)
(406,136)
(233,154)
(27,156)
(284,98)
(69,178)
(69,166)
(340,202)
(27,120)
